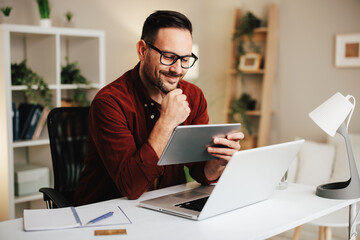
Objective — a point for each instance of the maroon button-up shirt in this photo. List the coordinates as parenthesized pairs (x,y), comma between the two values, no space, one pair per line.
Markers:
(120,161)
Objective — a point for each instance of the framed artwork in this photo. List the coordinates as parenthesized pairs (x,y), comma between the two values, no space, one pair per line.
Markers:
(347,50)
(250,62)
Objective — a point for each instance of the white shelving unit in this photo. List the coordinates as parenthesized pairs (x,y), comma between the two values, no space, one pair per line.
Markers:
(45,50)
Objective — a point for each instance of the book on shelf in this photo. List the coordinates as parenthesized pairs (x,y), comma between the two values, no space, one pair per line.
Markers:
(72,217)
(66,103)
(29,115)
(41,123)
(25,110)
(33,122)
(15,118)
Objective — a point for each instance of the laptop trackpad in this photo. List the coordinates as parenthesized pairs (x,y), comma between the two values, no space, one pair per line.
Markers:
(190,194)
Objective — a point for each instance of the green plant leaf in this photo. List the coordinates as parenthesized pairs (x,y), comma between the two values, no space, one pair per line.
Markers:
(37,90)
(68,16)
(71,74)
(239,107)
(6,11)
(44,8)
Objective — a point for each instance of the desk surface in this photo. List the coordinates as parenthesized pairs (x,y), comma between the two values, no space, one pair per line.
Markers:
(285,210)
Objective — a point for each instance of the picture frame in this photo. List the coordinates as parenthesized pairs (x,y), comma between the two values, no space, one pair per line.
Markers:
(347,50)
(250,62)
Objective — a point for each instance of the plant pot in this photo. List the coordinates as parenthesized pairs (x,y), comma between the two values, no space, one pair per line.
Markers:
(5,19)
(45,22)
(70,24)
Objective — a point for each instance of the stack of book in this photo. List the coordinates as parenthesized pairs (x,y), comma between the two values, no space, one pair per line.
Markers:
(28,121)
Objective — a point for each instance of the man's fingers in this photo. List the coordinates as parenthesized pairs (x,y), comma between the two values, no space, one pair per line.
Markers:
(221,159)
(222,151)
(236,136)
(228,143)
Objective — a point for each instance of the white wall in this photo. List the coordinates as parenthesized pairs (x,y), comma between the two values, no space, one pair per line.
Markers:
(306,72)
(306,75)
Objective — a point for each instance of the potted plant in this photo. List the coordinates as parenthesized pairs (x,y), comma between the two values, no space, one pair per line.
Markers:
(248,23)
(44,10)
(237,113)
(37,90)
(71,74)
(6,12)
(69,15)
(238,107)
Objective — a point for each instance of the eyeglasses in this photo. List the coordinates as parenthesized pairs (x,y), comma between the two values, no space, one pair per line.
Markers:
(169,58)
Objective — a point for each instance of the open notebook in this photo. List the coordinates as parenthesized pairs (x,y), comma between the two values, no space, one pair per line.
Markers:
(71,217)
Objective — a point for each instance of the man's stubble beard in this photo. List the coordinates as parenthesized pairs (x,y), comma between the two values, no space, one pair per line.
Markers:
(158,82)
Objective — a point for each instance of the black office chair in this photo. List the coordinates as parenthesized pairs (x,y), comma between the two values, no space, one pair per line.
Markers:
(68,133)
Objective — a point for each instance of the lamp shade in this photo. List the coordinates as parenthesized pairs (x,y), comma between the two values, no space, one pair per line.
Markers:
(332,113)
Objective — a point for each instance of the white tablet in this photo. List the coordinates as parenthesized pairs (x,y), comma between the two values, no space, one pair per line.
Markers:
(188,143)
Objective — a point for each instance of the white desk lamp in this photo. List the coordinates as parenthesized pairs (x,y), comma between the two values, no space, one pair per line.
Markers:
(330,117)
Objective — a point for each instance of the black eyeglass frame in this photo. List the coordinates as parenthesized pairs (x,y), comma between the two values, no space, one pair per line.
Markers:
(176,56)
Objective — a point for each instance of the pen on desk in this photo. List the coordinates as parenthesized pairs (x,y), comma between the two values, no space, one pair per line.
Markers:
(106,215)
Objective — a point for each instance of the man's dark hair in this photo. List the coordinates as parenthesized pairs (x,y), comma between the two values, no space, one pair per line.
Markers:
(163,19)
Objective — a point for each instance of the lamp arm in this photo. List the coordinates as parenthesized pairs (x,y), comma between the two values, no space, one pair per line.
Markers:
(342,130)
(352,110)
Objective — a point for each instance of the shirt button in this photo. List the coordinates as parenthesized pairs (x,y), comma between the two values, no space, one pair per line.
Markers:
(152,104)
(145,105)
(152,116)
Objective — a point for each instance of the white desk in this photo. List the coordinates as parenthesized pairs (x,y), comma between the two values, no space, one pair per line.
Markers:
(285,210)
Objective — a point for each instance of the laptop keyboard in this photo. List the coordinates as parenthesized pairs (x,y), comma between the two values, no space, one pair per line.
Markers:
(196,205)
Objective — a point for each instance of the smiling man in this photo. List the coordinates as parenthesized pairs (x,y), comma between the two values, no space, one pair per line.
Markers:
(132,118)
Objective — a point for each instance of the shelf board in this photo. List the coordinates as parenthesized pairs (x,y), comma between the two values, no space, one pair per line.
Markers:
(27,198)
(75,86)
(23,87)
(35,29)
(62,86)
(260,71)
(28,143)
(261,30)
(253,113)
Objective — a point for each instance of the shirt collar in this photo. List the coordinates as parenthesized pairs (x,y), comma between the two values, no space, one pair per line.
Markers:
(140,89)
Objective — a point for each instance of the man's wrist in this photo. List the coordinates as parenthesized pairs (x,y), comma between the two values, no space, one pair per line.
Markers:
(213,170)
(166,125)
(159,136)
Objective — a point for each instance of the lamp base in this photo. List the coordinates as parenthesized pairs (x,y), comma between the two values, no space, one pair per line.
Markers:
(340,190)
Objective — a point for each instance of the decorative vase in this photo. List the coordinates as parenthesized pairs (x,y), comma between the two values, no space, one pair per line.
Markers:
(5,19)
(45,22)
(69,24)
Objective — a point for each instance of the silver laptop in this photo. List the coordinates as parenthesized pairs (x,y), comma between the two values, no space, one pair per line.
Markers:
(251,176)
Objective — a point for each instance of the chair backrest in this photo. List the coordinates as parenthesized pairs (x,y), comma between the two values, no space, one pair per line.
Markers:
(68,134)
